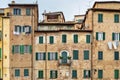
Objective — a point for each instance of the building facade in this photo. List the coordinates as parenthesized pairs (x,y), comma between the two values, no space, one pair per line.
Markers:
(55,49)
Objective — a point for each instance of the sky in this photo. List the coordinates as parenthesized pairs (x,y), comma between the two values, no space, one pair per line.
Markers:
(68,7)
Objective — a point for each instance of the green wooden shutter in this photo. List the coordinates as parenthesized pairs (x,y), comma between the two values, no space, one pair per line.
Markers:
(116,55)
(44,56)
(84,74)
(100,17)
(100,74)
(103,35)
(89,74)
(22,49)
(56,74)
(87,38)
(75,38)
(30,49)
(113,36)
(13,49)
(96,35)
(41,39)
(17,72)
(40,74)
(74,74)
(75,54)
(86,55)
(26,72)
(0,53)
(48,55)
(116,18)
(51,74)
(64,38)
(51,39)
(56,56)
(37,56)
(100,55)
(116,74)
(119,36)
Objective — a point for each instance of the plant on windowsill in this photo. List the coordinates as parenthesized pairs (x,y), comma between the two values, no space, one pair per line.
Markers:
(61,57)
(69,57)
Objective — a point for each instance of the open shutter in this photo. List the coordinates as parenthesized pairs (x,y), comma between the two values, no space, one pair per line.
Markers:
(56,56)
(96,35)
(36,56)
(30,48)
(48,55)
(13,49)
(44,56)
(84,73)
(119,36)
(50,74)
(0,53)
(22,49)
(103,35)
(56,74)
(113,36)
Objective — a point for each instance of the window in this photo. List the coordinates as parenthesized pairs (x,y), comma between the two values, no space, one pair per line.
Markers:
(116,74)
(40,56)
(52,55)
(86,74)
(86,55)
(27,29)
(100,18)
(40,74)
(75,38)
(28,10)
(116,55)
(87,38)
(75,54)
(116,18)
(64,40)
(0,53)
(51,39)
(17,29)
(21,49)
(17,11)
(17,72)
(53,74)
(100,55)
(26,72)
(100,74)
(41,39)
(115,36)
(100,36)
(74,73)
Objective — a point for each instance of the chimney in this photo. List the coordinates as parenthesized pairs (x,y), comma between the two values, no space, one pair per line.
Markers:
(13,2)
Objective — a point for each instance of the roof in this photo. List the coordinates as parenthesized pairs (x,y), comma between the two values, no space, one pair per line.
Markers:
(16,4)
(99,2)
(65,23)
(64,31)
(54,13)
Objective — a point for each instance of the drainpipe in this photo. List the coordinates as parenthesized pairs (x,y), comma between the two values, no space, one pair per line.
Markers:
(46,56)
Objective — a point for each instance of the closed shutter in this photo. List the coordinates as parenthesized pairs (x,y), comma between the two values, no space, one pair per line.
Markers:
(13,49)
(116,74)
(48,55)
(41,39)
(17,72)
(100,17)
(116,18)
(100,74)
(87,38)
(75,38)
(103,35)
(51,40)
(56,56)
(96,35)
(74,74)
(40,74)
(75,54)
(116,55)
(100,55)
(0,53)
(64,38)
(26,72)
(37,56)
(86,55)
(113,36)
(22,49)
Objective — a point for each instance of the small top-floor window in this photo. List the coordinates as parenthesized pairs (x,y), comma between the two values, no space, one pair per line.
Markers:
(28,11)
(116,18)
(100,18)
(16,11)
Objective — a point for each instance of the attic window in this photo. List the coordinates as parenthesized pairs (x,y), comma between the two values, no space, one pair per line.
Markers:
(52,17)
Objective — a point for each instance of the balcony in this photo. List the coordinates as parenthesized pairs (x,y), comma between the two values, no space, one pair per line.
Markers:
(65,62)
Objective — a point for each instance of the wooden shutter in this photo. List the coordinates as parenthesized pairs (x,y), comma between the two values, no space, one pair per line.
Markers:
(103,35)
(86,55)
(22,49)
(44,56)
(116,74)
(13,49)
(75,54)
(17,72)
(63,38)
(41,39)
(96,35)
(75,38)
(30,48)
(48,55)
(56,74)
(87,38)
(74,74)
(51,74)
(40,74)
(0,53)
(100,74)
(56,56)
(51,40)
(113,36)
(37,56)
(84,74)
(26,72)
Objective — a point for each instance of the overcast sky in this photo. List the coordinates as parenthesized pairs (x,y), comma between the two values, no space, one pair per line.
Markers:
(68,7)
